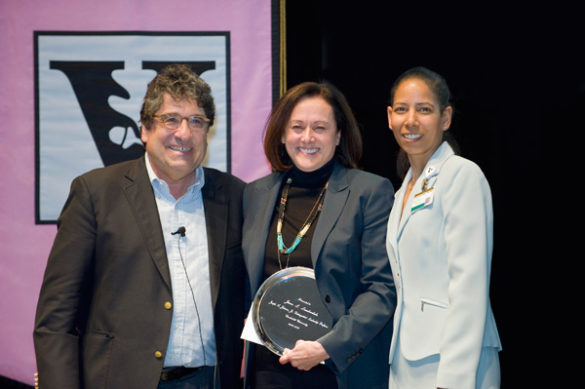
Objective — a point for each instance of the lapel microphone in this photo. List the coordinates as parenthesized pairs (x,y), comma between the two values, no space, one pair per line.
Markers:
(181,231)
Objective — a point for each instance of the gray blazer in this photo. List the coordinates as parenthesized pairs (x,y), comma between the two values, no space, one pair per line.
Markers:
(441,254)
(351,268)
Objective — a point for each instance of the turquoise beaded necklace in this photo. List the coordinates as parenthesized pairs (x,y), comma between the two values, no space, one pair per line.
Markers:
(282,249)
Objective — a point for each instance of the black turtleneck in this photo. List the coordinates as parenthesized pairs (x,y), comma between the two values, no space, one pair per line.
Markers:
(304,191)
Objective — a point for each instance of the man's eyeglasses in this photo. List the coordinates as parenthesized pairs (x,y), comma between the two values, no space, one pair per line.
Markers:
(172,121)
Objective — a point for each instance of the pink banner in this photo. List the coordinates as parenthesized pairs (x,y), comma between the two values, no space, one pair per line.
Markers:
(24,245)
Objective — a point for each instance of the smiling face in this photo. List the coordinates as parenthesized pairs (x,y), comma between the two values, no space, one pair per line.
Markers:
(311,135)
(175,154)
(416,120)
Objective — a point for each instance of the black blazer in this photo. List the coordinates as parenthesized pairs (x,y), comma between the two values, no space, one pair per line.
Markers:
(104,312)
(351,266)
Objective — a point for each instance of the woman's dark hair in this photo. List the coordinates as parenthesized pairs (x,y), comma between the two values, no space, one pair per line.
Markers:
(438,85)
(349,150)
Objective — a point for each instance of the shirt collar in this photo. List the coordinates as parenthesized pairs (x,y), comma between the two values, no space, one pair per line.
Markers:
(159,183)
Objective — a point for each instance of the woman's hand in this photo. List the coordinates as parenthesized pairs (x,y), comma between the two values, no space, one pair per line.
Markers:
(305,355)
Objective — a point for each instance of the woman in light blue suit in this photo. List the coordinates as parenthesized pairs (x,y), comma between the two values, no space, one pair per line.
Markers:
(313,143)
(440,246)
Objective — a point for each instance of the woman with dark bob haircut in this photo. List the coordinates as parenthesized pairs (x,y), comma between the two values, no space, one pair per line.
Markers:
(318,211)
(349,151)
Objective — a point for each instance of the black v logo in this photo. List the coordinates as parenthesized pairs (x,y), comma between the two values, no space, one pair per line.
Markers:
(93,84)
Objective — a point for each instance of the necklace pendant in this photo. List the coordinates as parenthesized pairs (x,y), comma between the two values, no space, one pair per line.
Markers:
(282,249)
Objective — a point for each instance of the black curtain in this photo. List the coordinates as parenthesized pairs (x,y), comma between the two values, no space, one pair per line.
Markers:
(517,80)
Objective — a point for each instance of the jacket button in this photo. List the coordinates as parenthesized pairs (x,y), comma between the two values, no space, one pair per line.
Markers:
(157,354)
(327,299)
(168,305)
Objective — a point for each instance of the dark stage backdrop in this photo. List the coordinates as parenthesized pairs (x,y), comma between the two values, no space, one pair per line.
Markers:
(516,76)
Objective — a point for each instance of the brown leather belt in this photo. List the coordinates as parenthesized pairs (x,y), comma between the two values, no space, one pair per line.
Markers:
(173,373)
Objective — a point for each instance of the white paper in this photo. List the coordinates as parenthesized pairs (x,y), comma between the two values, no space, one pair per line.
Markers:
(249,332)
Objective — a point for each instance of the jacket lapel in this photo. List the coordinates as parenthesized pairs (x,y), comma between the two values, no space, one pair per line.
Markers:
(333,203)
(264,203)
(140,195)
(404,203)
(394,220)
(435,162)
(215,205)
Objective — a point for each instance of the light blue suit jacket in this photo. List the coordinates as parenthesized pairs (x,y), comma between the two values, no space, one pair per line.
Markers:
(351,268)
(440,252)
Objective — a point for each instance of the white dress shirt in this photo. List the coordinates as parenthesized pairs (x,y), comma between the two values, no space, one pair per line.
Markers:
(192,340)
